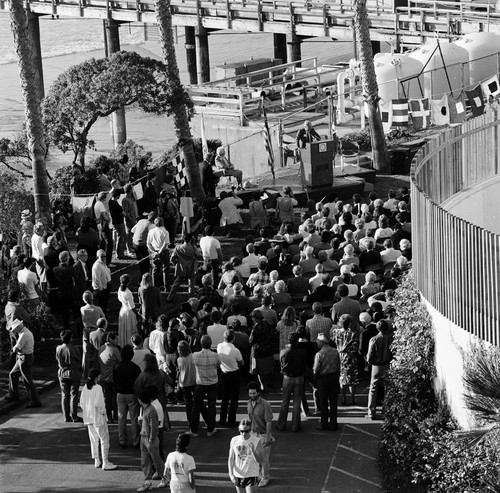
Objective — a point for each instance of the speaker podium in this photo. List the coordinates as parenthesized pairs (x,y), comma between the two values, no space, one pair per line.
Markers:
(317,161)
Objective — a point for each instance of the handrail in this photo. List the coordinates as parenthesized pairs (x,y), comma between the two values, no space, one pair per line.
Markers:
(457,263)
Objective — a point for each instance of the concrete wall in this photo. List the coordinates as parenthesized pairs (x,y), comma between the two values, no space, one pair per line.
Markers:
(478,205)
(452,343)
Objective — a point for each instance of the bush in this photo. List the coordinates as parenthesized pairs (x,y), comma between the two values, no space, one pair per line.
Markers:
(362,138)
(421,450)
(43,324)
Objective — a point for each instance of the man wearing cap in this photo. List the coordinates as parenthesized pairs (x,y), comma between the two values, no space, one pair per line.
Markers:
(246,305)
(23,348)
(261,418)
(245,456)
(139,240)
(231,362)
(101,281)
(326,370)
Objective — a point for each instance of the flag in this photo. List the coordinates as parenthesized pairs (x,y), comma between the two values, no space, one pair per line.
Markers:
(457,108)
(204,144)
(386,115)
(475,97)
(179,164)
(490,87)
(420,113)
(440,111)
(267,141)
(399,112)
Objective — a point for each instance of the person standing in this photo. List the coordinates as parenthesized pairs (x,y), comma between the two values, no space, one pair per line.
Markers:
(285,205)
(101,281)
(90,316)
(187,376)
(293,367)
(28,283)
(82,276)
(231,362)
(209,179)
(94,416)
(109,357)
(37,247)
(379,356)
(118,224)
(157,243)
(65,276)
(127,319)
(212,253)
(150,301)
(23,349)
(150,444)
(103,221)
(326,371)
(306,135)
(206,363)
(139,240)
(180,467)
(245,457)
(125,374)
(69,359)
(13,310)
(261,418)
(185,259)
(129,206)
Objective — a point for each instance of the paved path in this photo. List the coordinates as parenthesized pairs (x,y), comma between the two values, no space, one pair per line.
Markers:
(40,453)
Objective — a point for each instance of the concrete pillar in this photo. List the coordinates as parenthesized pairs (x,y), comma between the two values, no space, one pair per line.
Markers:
(202,55)
(280,47)
(293,47)
(112,45)
(190,45)
(376,47)
(34,35)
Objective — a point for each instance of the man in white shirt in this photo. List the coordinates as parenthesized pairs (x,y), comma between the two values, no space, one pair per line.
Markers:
(28,283)
(251,259)
(317,280)
(157,242)
(37,246)
(140,236)
(389,254)
(101,281)
(23,349)
(212,253)
(216,330)
(231,361)
(103,220)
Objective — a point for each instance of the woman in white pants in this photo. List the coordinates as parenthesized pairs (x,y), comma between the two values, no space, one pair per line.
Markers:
(94,416)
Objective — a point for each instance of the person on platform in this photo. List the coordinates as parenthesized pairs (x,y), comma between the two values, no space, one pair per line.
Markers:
(209,178)
(24,349)
(306,135)
(226,168)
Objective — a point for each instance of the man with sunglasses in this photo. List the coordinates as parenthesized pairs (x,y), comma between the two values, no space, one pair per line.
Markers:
(245,456)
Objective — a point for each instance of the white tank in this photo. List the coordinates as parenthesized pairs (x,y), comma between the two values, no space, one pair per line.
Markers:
(390,69)
(482,49)
(434,81)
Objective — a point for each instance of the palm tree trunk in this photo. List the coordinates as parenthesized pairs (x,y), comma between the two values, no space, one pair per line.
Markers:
(370,86)
(31,90)
(181,122)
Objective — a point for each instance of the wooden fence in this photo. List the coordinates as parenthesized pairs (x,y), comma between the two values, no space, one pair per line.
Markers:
(457,263)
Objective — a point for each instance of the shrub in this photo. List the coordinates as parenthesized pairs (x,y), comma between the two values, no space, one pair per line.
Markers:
(362,138)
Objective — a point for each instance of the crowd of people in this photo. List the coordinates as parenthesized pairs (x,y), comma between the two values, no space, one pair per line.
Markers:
(312,302)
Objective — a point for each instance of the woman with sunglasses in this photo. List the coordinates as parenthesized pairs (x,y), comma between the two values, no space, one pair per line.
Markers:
(245,456)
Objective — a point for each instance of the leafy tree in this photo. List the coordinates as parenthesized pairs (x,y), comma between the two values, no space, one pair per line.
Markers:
(95,89)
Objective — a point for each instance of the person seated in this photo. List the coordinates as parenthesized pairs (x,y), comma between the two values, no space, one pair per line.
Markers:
(316,280)
(262,245)
(405,247)
(242,268)
(285,266)
(370,258)
(323,292)
(349,240)
(389,255)
(260,277)
(360,230)
(325,222)
(310,211)
(403,210)
(370,224)
(402,263)
(226,168)
(370,287)
(298,286)
(318,215)
(349,256)
(324,244)
(235,314)
(306,135)
(392,202)
(252,260)
(309,263)
(383,231)
(399,234)
(329,265)
(270,287)
(246,305)
(281,299)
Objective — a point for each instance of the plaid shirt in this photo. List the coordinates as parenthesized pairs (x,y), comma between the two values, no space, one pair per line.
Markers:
(206,363)
(209,295)
(326,361)
(318,325)
(258,278)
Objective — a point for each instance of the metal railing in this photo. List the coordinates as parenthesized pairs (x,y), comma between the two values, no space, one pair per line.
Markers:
(457,263)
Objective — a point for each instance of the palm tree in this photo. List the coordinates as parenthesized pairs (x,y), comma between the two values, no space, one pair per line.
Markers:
(31,90)
(370,86)
(182,104)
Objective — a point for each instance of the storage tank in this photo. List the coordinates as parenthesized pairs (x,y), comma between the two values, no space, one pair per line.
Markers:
(390,69)
(432,56)
(482,48)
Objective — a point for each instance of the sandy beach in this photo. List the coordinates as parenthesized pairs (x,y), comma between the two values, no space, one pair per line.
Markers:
(153,132)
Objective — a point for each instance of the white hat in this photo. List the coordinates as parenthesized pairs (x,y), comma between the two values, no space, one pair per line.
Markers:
(323,338)
(16,324)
